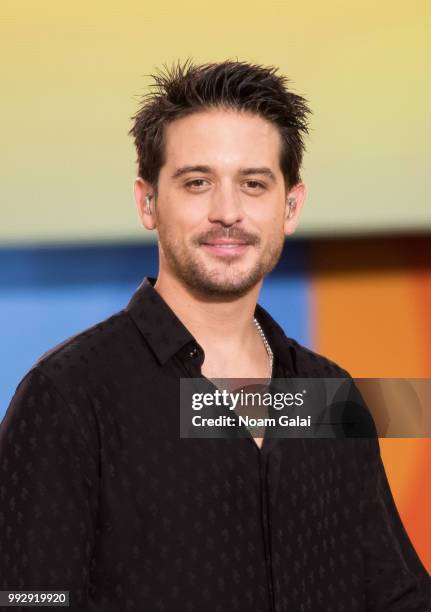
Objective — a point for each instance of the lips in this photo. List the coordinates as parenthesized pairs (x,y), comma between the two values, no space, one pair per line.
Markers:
(226,247)
(226,243)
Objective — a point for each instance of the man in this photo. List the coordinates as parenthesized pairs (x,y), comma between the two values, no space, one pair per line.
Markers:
(100,495)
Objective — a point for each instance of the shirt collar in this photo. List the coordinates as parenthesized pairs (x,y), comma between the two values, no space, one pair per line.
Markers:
(167,335)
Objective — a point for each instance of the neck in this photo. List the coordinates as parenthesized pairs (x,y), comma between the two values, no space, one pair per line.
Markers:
(214,323)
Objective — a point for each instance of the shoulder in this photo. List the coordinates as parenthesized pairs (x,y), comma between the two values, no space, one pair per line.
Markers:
(298,360)
(308,363)
(88,346)
(66,379)
(93,356)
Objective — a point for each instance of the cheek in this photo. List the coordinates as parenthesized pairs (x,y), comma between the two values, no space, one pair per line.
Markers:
(177,227)
(183,213)
(270,222)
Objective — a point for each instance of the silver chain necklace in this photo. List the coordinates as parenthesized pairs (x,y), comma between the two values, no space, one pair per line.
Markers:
(266,344)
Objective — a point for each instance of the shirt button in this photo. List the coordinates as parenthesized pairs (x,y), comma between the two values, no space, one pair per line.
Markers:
(193,353)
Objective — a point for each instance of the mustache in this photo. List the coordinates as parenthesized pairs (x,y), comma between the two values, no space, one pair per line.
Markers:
(228,233)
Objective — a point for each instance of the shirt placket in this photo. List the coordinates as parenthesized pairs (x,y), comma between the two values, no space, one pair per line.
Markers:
(191,366)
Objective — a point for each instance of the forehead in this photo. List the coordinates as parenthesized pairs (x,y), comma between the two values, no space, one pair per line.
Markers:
(220,137)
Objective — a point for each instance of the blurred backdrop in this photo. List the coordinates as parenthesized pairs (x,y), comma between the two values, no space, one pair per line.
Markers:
(355,281)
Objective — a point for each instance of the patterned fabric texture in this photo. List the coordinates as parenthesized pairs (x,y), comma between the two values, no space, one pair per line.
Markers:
(101,497)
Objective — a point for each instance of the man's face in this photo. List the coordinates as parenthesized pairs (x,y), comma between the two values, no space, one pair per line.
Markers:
(221,205)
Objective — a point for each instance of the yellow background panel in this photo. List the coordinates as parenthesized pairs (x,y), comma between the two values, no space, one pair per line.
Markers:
(71,74)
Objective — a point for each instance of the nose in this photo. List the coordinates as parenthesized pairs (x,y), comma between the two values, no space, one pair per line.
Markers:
(225,206)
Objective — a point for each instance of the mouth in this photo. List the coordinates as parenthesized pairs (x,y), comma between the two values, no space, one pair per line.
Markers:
(226,247)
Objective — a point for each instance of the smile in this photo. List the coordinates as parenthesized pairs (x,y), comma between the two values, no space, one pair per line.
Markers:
(226,248)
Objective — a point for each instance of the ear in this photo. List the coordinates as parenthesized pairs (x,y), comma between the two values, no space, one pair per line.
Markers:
(297,196)
(143,188)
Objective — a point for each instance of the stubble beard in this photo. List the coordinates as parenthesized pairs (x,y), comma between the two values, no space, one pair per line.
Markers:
(226,278)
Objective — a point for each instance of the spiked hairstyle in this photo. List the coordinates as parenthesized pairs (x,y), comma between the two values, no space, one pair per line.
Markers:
(186,88)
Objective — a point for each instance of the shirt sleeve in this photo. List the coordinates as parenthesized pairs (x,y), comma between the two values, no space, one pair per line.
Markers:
(48,494)
(395,579)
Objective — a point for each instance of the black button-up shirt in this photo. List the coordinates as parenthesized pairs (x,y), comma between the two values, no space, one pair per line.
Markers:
(100,496)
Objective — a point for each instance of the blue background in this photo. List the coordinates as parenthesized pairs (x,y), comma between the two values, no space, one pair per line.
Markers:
(48,294)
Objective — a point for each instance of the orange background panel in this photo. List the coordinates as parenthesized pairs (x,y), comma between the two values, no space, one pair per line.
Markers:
(371,301)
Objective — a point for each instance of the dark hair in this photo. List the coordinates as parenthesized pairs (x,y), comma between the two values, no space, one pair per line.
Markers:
(185,89)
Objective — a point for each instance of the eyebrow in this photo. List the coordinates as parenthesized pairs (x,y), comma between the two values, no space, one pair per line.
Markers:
(263,170)
(206,169)
(187,169)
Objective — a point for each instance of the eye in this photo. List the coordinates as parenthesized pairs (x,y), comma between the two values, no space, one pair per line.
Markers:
(196,183)
(255,185)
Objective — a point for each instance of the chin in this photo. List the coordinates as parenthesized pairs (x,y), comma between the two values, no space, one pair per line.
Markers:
(218,282)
